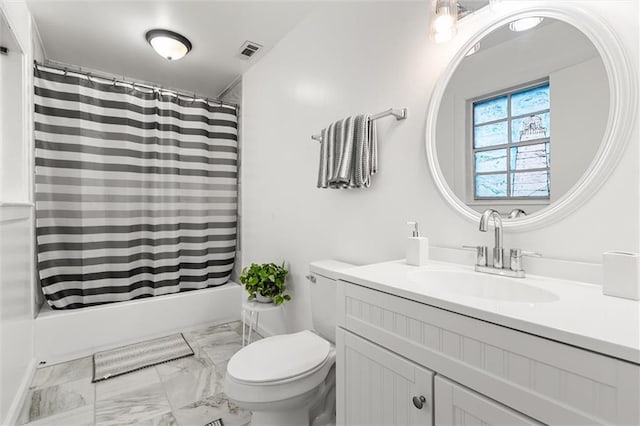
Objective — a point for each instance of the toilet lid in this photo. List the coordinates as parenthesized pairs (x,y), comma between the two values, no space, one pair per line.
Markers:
(279,357)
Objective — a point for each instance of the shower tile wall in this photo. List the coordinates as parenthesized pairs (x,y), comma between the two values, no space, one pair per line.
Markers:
(183,392)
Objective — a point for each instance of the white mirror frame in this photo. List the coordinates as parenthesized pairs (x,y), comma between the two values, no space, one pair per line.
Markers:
(620,124)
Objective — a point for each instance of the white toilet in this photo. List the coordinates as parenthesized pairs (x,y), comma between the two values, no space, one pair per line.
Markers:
(289,380)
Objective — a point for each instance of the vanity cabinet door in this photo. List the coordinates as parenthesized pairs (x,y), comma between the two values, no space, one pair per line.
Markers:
(459,406)
(377,387)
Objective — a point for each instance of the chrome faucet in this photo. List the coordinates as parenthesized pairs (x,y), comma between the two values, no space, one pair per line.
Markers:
(514,269)
(498,251)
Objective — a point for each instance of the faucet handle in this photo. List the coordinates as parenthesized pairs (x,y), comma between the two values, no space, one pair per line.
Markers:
(481,254)
(519,252)
(516,258)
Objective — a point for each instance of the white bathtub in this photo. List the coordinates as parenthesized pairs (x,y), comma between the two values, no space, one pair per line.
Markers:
(63,335)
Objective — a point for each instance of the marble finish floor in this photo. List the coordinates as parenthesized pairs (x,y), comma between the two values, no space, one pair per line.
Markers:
(184,392)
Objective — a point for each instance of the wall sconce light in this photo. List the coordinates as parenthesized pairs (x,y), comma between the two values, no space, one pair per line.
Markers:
(169,45)
(444,20)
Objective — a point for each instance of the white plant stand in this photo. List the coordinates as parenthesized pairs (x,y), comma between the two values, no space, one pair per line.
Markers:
(254,309)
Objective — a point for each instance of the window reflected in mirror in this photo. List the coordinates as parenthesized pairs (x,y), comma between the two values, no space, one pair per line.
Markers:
(511,144)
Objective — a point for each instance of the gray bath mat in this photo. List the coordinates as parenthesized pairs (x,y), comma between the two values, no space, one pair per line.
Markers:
(134,357)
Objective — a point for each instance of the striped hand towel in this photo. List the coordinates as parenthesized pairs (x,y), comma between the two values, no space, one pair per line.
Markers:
(348,153)
(366,152)
(344,154)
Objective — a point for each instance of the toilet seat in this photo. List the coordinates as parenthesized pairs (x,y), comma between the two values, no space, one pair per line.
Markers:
(279,359)
(294,381)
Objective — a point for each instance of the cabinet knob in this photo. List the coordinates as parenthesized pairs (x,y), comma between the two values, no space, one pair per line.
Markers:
(418,401)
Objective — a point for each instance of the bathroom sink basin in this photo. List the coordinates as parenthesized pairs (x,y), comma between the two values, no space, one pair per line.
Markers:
(483,286)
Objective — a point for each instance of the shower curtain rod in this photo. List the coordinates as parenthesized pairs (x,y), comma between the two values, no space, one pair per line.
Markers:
(133,84)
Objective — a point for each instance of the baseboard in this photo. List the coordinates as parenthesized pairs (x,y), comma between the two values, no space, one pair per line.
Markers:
(18,400)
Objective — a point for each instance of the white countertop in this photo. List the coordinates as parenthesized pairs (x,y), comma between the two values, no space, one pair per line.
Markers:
(580,315)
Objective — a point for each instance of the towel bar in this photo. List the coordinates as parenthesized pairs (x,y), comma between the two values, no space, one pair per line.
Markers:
(398,113)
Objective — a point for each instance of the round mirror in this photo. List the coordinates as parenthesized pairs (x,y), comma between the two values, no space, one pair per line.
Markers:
(527,120)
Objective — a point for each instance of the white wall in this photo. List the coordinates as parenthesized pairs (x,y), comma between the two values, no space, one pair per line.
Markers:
(233,94)
(580,109)
(347,58)
(16,320)
(13,183)
(17,292)
(579,92)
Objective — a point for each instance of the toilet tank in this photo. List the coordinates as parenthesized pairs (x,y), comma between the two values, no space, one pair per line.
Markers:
(323,296)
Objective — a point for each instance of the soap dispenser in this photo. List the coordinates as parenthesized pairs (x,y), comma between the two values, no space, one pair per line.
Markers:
(417,247)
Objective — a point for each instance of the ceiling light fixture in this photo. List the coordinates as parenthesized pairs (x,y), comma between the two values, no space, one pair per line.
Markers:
(168,44)
(444,20)
(525,24)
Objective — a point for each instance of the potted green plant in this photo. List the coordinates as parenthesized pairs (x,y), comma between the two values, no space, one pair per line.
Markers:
(265,282)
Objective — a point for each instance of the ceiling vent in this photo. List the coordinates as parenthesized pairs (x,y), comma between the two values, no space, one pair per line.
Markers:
(249,49)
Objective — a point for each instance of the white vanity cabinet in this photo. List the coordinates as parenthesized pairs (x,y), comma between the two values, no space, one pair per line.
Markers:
(378,387)
(483,373)
(456,405)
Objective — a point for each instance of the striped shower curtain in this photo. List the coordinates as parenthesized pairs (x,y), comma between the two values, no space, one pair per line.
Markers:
(136,191)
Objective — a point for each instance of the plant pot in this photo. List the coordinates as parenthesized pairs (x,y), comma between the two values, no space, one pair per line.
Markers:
(263,299)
